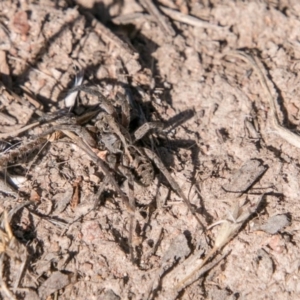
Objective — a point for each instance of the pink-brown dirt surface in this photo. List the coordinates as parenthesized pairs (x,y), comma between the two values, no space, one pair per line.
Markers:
(217,119)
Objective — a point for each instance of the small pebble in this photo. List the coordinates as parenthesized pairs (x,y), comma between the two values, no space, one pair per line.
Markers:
(273,224)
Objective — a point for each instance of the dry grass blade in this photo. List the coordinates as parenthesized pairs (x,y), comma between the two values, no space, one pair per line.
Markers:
(19,131)
(187,19)
(163,24)
(170,279)
(229,229)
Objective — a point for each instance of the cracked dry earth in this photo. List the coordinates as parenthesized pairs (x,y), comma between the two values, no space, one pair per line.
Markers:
(61,238)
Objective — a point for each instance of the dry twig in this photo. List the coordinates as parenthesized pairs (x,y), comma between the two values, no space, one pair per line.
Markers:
(163,24)
(230,227)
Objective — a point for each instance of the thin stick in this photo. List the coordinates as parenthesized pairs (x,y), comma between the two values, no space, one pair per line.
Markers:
(162,23)
(187,19)
(18,131)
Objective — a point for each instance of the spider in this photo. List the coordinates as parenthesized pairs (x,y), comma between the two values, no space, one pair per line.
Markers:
(128,152)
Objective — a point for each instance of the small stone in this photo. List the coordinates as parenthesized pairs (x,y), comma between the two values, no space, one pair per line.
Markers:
(274,224)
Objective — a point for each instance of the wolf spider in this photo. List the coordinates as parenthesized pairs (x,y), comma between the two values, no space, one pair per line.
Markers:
(128,153)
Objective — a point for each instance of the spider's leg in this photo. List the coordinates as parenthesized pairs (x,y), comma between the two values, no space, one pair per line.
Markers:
(145,128)
(160,165)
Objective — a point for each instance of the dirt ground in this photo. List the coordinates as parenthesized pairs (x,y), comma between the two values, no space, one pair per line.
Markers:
(70,229)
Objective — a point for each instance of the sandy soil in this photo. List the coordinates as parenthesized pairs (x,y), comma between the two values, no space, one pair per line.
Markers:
(219,143)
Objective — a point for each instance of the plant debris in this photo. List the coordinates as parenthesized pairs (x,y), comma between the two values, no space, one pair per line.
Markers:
(138,138)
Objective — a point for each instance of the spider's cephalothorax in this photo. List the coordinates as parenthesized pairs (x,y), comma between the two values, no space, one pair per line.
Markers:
(122,155)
